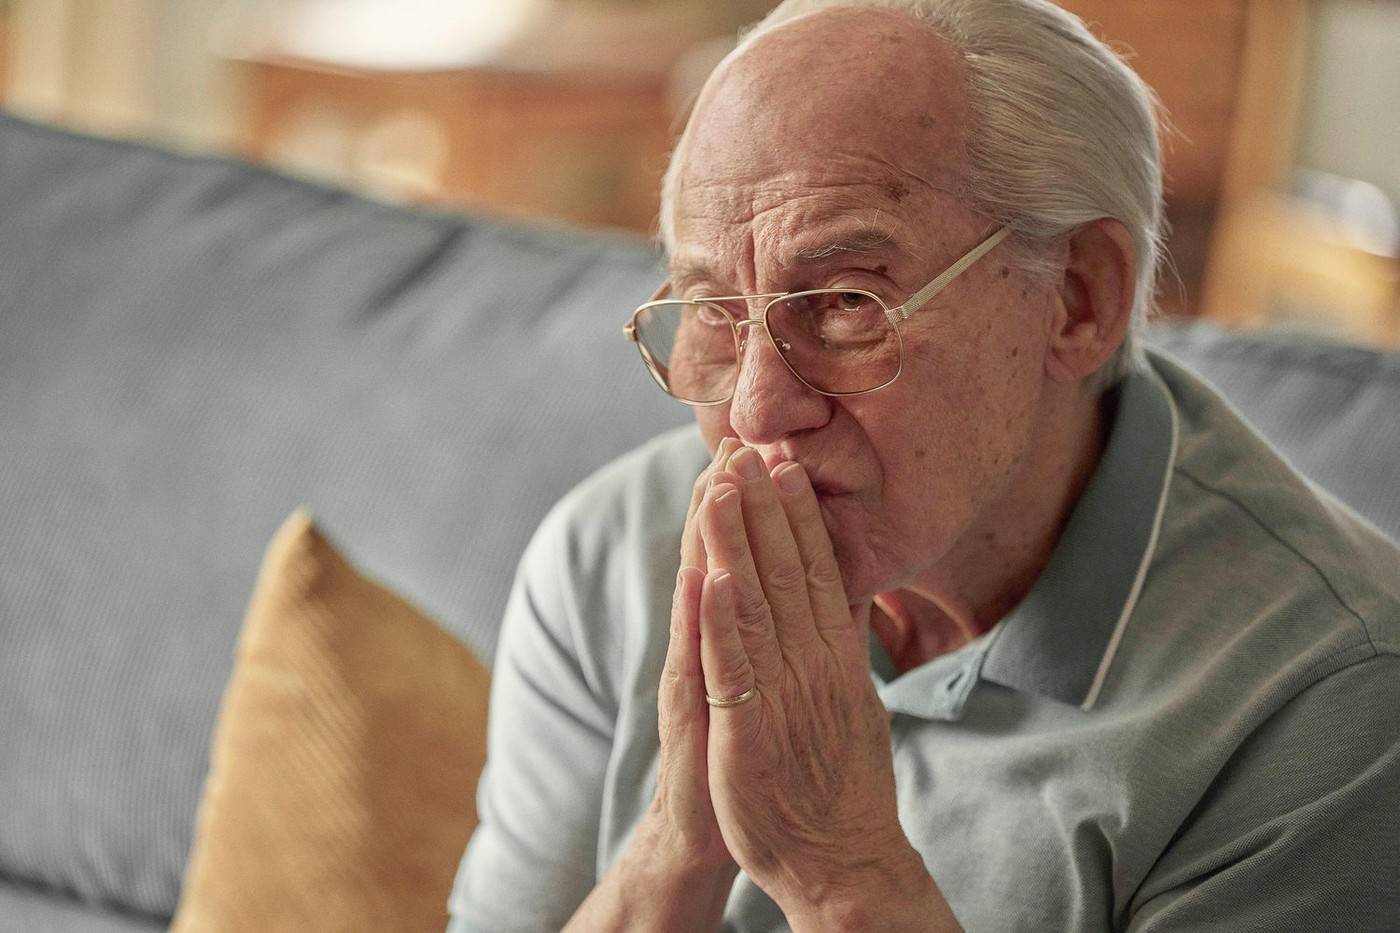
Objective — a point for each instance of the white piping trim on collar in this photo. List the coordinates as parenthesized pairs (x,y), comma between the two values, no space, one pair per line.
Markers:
(1093,695)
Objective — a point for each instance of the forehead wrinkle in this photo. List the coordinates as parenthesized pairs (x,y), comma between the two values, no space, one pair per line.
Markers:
(884,234)
(796,220)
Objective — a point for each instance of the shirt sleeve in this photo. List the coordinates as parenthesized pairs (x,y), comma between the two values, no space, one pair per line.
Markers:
(1301,829)
(531,860)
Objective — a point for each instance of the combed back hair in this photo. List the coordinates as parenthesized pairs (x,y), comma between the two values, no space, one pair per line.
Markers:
(1063,133)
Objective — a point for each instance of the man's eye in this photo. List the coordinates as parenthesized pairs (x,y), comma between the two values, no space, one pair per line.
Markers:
(710,314)
(853,301)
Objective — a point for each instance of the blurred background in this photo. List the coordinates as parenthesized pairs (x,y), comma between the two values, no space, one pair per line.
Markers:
(1283,176)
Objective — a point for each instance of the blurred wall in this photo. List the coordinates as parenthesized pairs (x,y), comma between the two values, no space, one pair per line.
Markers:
(1351,111)
(127,67)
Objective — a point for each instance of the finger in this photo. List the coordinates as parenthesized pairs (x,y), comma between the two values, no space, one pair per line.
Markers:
(721,524)
(683,781)
(726,666)
(682,678)
(830,607)
(681,698)
(692,549)
(777,561)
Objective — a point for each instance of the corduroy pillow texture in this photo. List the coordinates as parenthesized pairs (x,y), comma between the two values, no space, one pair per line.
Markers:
(341,790)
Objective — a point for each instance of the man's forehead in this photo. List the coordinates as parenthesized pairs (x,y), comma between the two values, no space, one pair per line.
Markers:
(844,113)
(848,69)
(869,206)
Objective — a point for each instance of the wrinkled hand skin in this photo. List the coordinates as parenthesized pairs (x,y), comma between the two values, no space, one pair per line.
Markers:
(800,778)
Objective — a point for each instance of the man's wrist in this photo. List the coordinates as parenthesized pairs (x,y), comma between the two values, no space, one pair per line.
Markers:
(658,885)
(677,876)
(896,894)
(674,872)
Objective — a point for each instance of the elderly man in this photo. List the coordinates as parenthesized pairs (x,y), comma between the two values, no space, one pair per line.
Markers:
(977,614)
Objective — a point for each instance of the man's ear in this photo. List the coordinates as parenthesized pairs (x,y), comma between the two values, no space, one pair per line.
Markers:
(1094,300)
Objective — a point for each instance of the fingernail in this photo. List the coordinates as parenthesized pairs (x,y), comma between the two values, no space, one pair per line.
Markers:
(747,463)
(791,478)
(724,589)
(726,495)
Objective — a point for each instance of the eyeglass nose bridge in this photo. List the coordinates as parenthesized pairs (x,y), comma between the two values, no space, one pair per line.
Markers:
(761,322)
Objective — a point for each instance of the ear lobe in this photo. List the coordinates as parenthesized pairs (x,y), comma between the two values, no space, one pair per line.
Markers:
(1094,302)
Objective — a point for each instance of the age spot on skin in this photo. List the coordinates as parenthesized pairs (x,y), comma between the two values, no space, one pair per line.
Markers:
(920,453)
(897,190)
(1005,272)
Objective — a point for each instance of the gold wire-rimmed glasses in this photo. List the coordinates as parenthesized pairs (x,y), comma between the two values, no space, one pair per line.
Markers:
(835,341)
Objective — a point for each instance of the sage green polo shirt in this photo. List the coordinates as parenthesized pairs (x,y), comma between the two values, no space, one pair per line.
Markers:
(1190,723)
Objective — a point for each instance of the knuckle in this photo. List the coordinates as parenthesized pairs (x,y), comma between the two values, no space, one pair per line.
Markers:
(738,672)
(787,578)
(751,610)
(824,573)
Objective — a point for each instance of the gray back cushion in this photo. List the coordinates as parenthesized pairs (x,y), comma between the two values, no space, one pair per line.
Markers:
(190,348)
(1332,409)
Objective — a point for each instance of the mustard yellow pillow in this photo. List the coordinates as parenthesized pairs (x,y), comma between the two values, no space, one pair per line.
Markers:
(343,773)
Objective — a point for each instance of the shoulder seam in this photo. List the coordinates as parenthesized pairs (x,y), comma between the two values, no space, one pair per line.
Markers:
(1366,629)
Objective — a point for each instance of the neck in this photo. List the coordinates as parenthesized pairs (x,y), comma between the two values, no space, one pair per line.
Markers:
(994,564)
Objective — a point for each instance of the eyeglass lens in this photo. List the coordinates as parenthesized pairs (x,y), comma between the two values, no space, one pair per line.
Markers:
(835,341)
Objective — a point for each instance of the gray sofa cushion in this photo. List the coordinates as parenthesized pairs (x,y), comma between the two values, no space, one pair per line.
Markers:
(37,911)
(1332,409)
(189,349)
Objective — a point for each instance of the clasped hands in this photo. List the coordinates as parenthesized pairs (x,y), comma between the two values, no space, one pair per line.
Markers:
(796,785)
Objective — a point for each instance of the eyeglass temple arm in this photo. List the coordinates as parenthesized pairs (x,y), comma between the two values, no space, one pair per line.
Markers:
(924,295)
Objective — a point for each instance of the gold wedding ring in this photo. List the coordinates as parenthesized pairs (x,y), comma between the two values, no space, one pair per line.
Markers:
(744,697)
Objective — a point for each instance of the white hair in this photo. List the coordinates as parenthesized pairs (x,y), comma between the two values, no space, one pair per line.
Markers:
(1063,133)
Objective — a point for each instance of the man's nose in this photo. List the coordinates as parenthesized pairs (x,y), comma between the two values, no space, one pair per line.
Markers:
(769,401)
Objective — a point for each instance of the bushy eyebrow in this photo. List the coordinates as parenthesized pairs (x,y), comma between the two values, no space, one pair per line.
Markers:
(868,240)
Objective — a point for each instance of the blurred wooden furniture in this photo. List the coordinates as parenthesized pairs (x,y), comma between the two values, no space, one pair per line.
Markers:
(582,148)
(1274,260)
(572,122)
(1278,263)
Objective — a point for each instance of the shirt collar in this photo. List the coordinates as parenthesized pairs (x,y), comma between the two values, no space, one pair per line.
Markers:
(1059,642)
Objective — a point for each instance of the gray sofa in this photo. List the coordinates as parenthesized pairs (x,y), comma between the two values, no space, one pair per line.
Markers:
(190,348)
